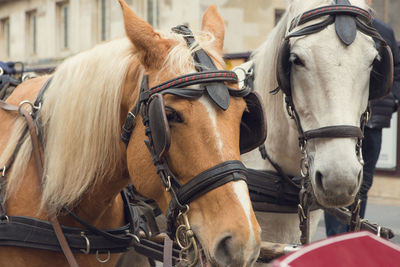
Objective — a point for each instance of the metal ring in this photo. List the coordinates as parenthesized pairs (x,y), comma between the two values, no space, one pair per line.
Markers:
(182,229)
(300,208)
(3,173)
(241,69)
(5,220)
(378,232)
(87,250)
(304,171)
(168,188)
(23,103)
(1,71)
(135,237)
(106,259)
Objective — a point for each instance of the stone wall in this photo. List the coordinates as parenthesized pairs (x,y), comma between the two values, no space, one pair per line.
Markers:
(247,23)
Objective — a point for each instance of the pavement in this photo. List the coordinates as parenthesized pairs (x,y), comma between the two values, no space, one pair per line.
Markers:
(387,215)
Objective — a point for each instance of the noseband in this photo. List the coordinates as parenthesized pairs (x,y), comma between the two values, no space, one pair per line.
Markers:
(151,107)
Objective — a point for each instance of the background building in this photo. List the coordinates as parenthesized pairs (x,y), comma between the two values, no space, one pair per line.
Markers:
(42,32)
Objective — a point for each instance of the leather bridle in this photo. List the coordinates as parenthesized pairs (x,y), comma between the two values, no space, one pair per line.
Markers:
(338,14)
(212,84)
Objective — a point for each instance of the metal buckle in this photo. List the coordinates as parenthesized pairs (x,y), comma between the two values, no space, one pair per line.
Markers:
(135,237)
(87,250)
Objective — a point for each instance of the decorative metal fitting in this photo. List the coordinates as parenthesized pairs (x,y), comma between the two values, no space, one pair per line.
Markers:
(185,239)
(101,260)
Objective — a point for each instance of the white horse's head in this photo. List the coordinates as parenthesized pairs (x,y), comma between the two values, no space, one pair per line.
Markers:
(329,83)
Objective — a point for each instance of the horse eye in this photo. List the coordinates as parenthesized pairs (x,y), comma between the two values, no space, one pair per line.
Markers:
(295,59)
(173,115)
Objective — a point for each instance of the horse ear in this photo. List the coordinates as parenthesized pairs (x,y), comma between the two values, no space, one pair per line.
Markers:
(152,49)
(213,23)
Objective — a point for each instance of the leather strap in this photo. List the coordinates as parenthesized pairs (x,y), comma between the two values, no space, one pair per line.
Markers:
(8,107)
(167,258)
(212,178)
(336,131)
(37,154)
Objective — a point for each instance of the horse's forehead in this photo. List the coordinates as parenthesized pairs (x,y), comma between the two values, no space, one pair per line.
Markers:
(326,48)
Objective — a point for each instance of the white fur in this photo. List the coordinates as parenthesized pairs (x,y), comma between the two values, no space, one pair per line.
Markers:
(210,107)
(330,90)
(242,194)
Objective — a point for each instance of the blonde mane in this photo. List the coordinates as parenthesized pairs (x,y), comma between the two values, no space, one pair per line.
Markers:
(80,116)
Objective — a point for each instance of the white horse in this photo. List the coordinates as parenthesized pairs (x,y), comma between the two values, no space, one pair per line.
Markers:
(329,87)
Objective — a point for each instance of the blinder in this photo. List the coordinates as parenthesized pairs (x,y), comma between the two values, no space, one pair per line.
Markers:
(381,78)
(253,127)
(160,132)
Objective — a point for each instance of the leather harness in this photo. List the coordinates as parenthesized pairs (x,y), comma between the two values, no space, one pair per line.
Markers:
(33,233)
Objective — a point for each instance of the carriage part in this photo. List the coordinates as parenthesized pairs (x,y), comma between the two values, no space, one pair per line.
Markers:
(381,78)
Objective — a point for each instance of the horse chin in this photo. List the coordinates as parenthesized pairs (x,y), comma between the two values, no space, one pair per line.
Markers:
(329,201)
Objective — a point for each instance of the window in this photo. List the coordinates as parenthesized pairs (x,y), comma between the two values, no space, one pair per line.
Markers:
(103,12)
(5,37)
(278,15)
(63,17)
(31,30)
(152,12)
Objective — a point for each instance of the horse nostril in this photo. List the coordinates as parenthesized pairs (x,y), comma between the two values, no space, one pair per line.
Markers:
(224,251)
(318,180)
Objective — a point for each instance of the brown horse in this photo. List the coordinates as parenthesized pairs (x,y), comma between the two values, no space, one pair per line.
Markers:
(86,164)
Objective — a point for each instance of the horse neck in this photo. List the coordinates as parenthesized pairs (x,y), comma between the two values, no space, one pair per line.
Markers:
(282,143)
(102,206)
(282,136)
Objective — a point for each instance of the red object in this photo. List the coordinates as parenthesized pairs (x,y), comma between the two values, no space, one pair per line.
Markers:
(350,250)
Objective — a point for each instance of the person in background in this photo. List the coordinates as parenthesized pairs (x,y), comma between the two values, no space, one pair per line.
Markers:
(382,110)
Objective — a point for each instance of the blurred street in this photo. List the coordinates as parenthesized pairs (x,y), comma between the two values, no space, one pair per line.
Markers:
(383,214)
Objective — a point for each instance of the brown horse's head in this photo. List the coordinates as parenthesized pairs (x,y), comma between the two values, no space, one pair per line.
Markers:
(202,136)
